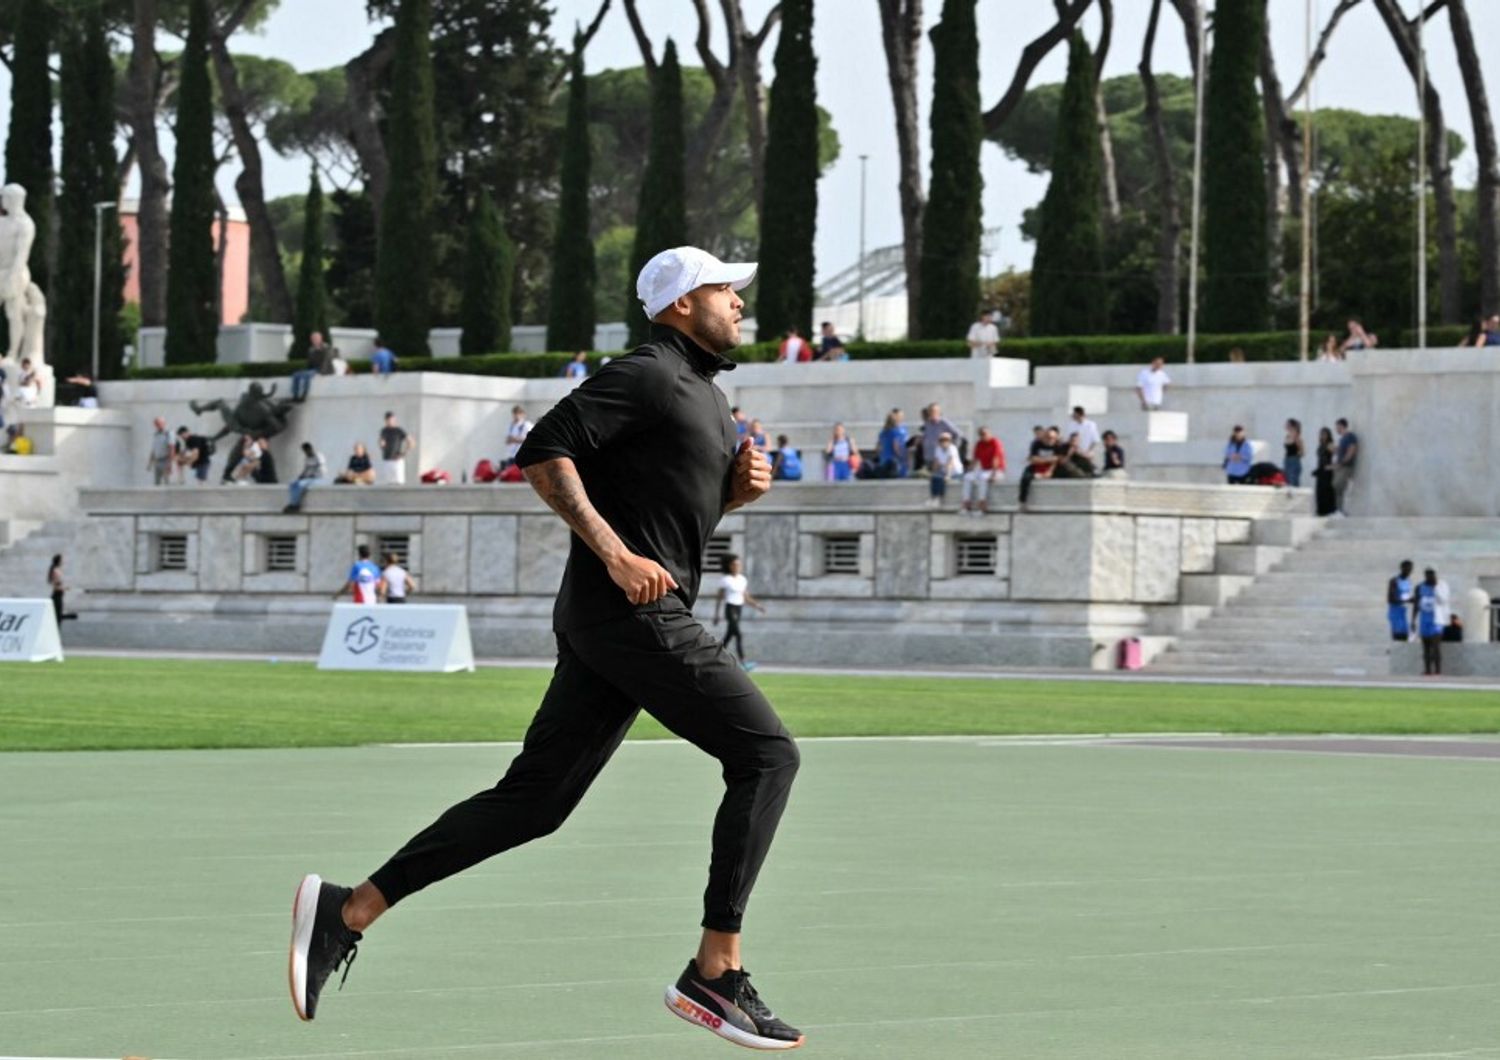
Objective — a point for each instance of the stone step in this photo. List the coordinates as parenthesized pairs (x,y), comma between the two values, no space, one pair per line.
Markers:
(1293,532)
(1247,559)
(1211,590)
(1045,400)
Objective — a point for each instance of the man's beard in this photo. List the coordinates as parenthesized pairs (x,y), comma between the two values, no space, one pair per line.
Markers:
(720,335)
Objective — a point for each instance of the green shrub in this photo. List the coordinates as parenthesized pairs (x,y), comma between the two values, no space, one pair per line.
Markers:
(1041,352)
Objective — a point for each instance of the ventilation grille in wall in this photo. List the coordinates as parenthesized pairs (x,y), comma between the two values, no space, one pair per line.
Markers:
(281,553)
(719,546)
(171,552)
(841,554)
(977,555)
(398,545)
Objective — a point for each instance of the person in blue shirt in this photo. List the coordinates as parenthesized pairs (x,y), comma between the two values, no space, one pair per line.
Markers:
(1431,609)
(787,462)
(382,360)
(365,580)
(831,347)
(1398,602)
(1238,456)
(578,367)
(892,447)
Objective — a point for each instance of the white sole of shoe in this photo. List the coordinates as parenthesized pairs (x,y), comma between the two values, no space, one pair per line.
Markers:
(304,912)
(685,1008)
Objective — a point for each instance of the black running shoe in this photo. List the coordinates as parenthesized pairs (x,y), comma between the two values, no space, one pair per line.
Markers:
(320,941)
(730,1007)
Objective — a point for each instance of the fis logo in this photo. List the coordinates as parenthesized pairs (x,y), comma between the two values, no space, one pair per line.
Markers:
(362,635)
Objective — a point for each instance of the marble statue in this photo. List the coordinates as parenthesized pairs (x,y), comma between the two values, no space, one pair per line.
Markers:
(257,412)
(17,234)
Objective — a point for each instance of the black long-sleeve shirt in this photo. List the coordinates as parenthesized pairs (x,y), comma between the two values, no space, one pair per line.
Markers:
(654,444)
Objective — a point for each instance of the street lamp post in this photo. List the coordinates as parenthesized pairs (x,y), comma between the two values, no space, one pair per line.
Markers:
(862,160)
(99,208)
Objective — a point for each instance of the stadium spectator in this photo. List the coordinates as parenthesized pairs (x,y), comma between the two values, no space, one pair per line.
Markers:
(757,435)
(194,451)
(314,470)
(986,468)
(1332,350)
(162,454)
(29,389)
(1296,449)
(1238,456)
(1475,336)
(1492,330)
(578,367)
(359,471)
(1345,458)
(1088,433)
(515,434)
(314,365)
(984,336)
(88,393)
(831,346)
(1070,462)
(840,455)
(892,459)
(1041,460)
(365,583)
(247,468)
(1432,615)
(734,594)
(934,426)
(1236,355)
(1358,338)
(786,462)
(337,365)
(1399,596)
(945,464)
(1151,384)
(1114,456)
(1324,500)
(740,425)
(17,443)
(265,471)
(794,348)
(399,583)
(382,359)
(395,443)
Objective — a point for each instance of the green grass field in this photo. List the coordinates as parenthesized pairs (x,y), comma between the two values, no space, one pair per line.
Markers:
(120,704)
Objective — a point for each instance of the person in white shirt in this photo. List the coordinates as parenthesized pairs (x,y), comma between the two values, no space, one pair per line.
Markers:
(515,434)
(337,365)
(946,464)
(794,348)
(1087,430)
(1151,385)
(399,584)
(984,336)
(734,594)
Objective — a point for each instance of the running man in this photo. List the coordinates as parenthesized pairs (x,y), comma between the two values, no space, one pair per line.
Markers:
(641,461)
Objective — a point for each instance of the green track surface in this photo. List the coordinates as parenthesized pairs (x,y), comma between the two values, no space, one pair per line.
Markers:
(108,704)
(946,899)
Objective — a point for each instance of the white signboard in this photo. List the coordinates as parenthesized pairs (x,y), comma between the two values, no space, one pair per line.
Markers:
(426,637)
(28,631)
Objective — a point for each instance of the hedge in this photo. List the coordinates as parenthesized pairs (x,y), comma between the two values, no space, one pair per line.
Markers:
(1041,352)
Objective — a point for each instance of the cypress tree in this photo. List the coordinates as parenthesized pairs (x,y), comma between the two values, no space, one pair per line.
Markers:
(403,268)
(951,223)
(789,214)
(312,284)
(661,213)
(192,273)
(489,268)
(570,301)
(90,174)
(28,148)
(1068,292)
(1236,261)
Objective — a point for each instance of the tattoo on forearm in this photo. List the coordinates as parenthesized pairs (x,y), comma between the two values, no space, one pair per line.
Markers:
(558,484)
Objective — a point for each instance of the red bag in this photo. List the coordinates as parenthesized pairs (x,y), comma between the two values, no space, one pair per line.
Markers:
(512,474)
(436,477)
(484,471)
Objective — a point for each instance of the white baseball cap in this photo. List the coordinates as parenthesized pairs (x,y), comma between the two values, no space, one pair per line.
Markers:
(673,273)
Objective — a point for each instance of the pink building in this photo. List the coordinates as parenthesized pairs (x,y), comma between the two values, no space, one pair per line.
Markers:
(236,292)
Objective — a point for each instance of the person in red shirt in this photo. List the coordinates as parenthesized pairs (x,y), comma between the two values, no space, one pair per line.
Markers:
(987,466)
(794,347)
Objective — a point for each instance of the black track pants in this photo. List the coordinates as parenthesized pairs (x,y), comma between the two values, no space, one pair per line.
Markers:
(732,628)
(666,662)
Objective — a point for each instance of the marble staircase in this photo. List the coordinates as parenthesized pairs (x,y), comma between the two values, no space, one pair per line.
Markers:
(1307,596)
